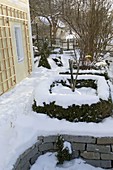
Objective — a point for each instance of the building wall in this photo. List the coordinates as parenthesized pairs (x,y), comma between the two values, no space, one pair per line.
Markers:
(14,13)
(19,4)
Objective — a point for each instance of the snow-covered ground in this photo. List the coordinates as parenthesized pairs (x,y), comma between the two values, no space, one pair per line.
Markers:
(20,126)
(48,161)
(63,96)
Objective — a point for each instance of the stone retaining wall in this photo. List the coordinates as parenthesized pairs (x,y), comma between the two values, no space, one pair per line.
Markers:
(94,150)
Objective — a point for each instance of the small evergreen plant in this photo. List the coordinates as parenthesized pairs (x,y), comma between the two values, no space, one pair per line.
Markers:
(44,52)
(63,153)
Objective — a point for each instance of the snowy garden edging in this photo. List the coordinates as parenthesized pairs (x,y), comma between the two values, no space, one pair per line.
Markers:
(97,151)
(102,90)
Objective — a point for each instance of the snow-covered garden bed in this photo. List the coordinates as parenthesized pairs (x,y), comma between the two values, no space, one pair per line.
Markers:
(90,102)
(48,161)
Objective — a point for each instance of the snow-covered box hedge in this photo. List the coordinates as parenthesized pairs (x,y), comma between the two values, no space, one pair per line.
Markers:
(90,102)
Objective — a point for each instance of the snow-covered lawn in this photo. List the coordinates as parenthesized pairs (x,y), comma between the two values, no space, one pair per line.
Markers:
(20,126)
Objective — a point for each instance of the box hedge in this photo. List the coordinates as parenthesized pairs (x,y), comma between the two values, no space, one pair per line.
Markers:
(75,113)
(95,112)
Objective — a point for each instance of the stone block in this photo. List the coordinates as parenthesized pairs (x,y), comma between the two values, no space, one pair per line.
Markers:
(23,167)
(90,155)
(34,158)
(107,156)
(106,164)
(13,168)
(75,154)
(112,148)
(46,147)
(80,139)
(23,162)
(99,148)
(33,152)
(54,146)
(18,168)
(99,163)
(30,154)
(78,146)
(26,152)
(26,166)
(50,139)
(105,140)
(40,138)
(17,163)
(38,143)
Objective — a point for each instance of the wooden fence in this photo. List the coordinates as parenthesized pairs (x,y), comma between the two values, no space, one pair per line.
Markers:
(62,43)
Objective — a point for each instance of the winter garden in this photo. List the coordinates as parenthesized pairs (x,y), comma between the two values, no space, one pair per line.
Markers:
(77,86)
(57,108)
(75,94)
(78,91)
(69,95)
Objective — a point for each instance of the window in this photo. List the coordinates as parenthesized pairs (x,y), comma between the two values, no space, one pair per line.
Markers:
(19,43)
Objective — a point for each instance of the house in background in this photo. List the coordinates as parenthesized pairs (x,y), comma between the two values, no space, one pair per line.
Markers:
(15,43)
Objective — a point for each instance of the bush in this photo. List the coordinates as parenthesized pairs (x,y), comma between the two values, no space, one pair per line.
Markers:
(98,74)
(44,52)
(58,61)
(63,151)
(44,62)
(80,83)
(85,67)
(75,113)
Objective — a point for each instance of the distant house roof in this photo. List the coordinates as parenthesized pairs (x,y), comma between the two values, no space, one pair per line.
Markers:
(46,22)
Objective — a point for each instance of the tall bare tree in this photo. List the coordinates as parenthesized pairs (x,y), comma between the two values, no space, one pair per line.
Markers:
(49,9)
(92,21)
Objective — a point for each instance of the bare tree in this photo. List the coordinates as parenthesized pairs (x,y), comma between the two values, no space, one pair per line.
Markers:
(49,9)
(74,81)
(92,21)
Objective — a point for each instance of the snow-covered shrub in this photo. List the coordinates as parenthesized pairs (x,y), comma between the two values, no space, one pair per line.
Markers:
(105,74)
(58,61)
(64,150)
(44,52)
(80,83)
(75,113)
(44,62)
(86,67)
(101,64)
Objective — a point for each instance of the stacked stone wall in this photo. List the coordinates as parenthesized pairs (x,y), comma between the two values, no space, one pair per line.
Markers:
(97,151)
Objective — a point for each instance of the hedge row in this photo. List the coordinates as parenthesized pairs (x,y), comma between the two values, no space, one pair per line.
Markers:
(98,74)
(75,113)
(85,67)
(80,83)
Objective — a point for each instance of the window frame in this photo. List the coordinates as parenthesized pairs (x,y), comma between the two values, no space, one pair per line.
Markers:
(19,43)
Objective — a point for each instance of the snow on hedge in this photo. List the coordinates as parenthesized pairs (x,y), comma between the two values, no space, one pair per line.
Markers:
(92,71)
(64,97)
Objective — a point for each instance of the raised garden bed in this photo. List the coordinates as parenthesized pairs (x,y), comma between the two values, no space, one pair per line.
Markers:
(90,102)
